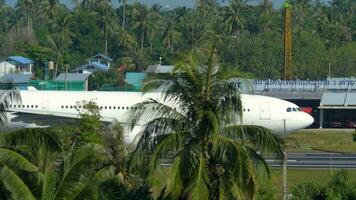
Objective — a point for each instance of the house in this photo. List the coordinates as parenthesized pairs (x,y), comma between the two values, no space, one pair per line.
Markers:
(22,64)
(6,67)
(72,81)
(95,63)
(159,69)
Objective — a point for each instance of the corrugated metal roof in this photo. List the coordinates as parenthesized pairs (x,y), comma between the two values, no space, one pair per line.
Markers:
(333,99)
(160,69)
(20,59)
(72,77)
(101,56)
(351,99)
(15,78)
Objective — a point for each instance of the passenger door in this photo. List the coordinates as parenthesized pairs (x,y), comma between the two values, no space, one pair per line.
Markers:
(265,113)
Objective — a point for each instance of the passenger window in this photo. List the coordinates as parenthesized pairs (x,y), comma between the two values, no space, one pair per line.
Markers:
(31,106)
(289,109)
(66,106)
(248,110)
(105,107)
(36,106)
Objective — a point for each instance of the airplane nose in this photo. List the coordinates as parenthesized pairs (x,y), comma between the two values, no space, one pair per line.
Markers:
(309,120)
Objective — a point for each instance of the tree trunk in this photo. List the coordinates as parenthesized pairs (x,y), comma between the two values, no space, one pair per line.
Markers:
(123,14)
(142,38)
(56,68)
(151,46)
(106,42)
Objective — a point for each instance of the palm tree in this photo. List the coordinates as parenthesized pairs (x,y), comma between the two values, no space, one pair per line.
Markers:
(107,22)
(50,8)
(141,18)
(26,6)
(124,2)
(213,158)
(35,165)
(233,19)
(170,35)
(60,38)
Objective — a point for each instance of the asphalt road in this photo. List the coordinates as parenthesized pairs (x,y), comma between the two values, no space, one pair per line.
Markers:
(317,160)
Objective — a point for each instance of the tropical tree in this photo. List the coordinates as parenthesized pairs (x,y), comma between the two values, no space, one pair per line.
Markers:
(233,18)
(26,6)
(141,24)
(108,22)
(60,39)
(197,125)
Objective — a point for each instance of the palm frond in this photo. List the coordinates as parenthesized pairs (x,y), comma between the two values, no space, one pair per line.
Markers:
(172,143)
(49,183)
(6,98)
(199,187)
(34,138)
(13,159)
(76,175)
(174,180)
(256,136)
(15,185)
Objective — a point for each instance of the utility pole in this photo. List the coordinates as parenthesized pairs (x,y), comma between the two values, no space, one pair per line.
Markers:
(285,162)
(288,71)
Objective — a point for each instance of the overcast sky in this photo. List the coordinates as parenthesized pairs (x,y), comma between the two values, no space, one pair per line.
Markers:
(165,3)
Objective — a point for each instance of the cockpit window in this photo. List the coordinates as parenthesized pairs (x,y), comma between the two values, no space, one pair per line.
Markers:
(293,109)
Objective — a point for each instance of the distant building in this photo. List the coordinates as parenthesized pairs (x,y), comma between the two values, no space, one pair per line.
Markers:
(17,80)
(22,64)
(159,69)
(69,79)
(99,62)
(6,67)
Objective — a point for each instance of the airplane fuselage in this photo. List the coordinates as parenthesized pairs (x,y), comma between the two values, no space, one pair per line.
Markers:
(278,115)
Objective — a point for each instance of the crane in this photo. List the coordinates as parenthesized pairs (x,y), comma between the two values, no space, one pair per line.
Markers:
(288,71)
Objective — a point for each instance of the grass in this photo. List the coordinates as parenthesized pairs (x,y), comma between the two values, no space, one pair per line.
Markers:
(297,176)
(322,140)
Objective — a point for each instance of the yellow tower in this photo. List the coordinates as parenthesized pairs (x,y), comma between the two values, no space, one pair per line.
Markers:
(288,71)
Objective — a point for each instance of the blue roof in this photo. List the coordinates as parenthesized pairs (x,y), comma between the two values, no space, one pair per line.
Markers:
(102,56)
(20,59)
(99,65)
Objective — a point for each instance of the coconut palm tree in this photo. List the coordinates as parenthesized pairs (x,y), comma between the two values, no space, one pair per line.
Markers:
(26,6)
(141,24)
(233,18)
(213,158)
(108,22)
(35,165)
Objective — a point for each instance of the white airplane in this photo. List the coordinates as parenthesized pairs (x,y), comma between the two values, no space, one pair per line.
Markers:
(275,114)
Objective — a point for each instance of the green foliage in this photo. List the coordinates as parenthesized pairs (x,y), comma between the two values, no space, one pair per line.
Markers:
(306,191)
(247,36)
(338,188)
(90,124)
(212,158)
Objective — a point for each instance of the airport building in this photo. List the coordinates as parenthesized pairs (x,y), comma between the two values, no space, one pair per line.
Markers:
(331,102)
